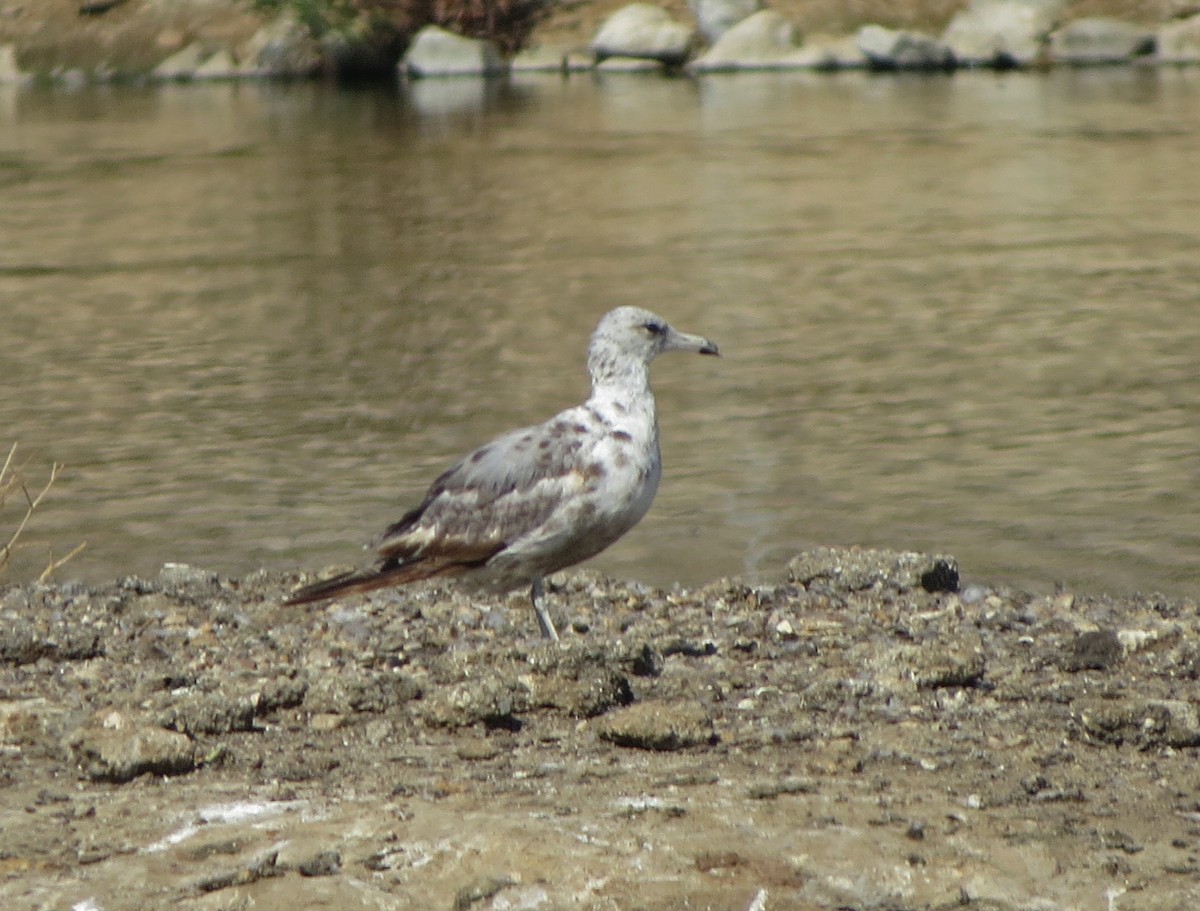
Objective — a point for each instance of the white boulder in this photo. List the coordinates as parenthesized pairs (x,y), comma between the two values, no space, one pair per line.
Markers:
(1002,32)
(1095,40)
(283,48)
(10,71)
(437,52)
(1179,41)
(764,40)
(716,17)
(183,63)
(645,32)
(892,49)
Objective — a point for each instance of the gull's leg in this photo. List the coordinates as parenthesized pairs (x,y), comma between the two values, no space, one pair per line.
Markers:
(537,595)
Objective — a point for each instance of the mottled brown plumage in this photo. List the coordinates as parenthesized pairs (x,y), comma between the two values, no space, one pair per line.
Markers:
(539,499)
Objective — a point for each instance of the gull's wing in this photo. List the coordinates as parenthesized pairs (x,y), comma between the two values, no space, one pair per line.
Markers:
(497,494)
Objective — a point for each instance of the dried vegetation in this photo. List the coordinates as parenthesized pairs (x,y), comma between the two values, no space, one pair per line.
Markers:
(13,488)
(506,22)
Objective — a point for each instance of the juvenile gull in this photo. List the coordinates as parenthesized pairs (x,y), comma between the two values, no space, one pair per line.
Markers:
(539,499)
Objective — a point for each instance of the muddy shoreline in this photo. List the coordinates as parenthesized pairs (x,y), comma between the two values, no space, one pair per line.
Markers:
(859,735)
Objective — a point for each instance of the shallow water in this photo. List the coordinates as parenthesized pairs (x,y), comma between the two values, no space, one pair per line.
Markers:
(958,313)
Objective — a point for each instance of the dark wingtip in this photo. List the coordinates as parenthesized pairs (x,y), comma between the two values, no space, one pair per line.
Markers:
(710,348)
(326,588)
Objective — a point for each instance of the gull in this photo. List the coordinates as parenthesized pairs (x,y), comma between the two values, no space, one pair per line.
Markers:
(538,499)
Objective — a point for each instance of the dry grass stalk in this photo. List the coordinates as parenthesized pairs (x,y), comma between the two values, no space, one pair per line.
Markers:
(11,480)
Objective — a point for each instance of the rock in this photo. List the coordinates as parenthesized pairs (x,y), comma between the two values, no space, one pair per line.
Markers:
(550,59)
(97,7)
(323,863)
(764,40)
(627,65)
(856,569)
(493,701)
(956,668)
(591,693)
(1148,724)
(481,889)
(326,721)
(210,713)
(478,749)
(1179,41)
(1170,721)
(584,681)
(1179,9)
(1097,650)
(1098,40)
(769,790)
(890,49)
(30,722)
(77,644)
(9,70)
(261,867)
(170,39)
(716,17)
(183,63)
(1002,33)
(117,746)
(643,32)
(437,52)
(20,645)
(362,691)
(175,576)
(229,708)
(830,52)
(219,65)
(657,726)
(308,855)
(282,48)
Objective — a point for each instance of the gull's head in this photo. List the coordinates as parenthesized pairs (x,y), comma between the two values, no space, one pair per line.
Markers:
(634,334)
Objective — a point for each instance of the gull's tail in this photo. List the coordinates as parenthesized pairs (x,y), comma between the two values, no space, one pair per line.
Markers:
(392,572)
(369,580)
(359,581)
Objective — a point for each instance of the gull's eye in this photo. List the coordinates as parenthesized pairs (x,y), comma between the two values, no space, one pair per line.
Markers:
(655,328)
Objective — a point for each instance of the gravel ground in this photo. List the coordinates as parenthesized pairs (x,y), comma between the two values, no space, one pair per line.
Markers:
(862,735)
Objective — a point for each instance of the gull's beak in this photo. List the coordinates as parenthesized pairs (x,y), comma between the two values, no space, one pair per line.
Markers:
(681,341)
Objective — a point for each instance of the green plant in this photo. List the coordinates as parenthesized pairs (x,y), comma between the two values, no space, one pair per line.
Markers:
(12,481)
(318,16)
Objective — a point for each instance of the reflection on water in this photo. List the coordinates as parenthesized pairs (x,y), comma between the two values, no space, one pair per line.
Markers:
(958,313)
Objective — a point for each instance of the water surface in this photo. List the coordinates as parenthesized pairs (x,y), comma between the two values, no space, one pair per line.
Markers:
(958,313)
